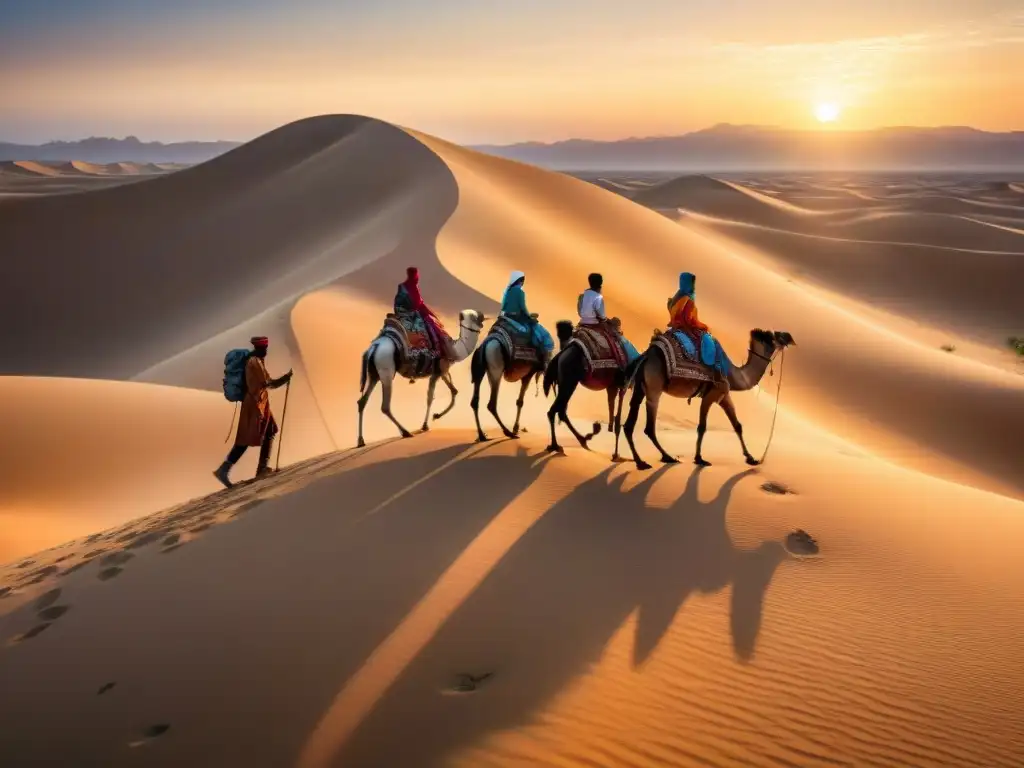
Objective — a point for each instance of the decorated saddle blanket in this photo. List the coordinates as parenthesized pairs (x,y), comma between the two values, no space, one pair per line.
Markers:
(416,356)
(601,347)
(516,340)
(692,356)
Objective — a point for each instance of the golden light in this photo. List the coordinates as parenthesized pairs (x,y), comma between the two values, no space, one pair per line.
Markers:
(826,112)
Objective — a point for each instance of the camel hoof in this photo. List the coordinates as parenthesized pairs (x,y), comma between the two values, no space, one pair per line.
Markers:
(511,435)
(753,462)
(424,428)
(669,460)
(361,443)
(555,449)
(597,428)
(482,438)
(616,459)
(437,416)
(406,433)
(642,465)
(701,463)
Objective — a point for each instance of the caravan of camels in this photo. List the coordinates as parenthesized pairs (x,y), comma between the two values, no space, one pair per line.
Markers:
(684,361)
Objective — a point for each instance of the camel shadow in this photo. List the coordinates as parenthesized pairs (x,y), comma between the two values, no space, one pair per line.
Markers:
(546,612)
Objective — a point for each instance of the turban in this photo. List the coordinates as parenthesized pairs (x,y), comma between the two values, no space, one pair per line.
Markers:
(259,341)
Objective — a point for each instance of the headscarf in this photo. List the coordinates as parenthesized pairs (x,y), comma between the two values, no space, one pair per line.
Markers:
(259,341)
(514,278)
(412,287)
(686,287)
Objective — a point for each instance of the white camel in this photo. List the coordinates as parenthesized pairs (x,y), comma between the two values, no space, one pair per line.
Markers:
(381,363)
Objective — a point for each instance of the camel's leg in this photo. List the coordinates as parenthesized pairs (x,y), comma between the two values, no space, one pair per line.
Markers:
(431,386)
(705,406)
(364,398)
(492,403)
(521,401)
(475,405)
(632,417)
(564,397)
(557,409)
(618,424)
(446,377)
(650,429)
(611,406)
(385,406)
(730,410)
(372,378)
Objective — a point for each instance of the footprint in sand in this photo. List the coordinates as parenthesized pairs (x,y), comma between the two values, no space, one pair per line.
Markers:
(53,612)
(43,573)
(152,732)
(48,598)
(37,629)
(777,488)
(4,592)
(801,543)
(467,683)
(247,507)
(104,688)
(26,564)
(146,538)
(108,573)
(117,558)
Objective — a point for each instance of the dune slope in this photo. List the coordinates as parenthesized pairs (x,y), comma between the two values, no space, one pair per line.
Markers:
(615,619)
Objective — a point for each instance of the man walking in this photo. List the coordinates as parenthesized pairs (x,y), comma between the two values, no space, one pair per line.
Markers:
(256,424)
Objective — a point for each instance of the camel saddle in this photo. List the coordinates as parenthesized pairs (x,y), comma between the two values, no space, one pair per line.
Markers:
(601,347)
(681,364)
(416,356)
(518,346)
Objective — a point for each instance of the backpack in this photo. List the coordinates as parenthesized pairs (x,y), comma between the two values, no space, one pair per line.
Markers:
(234,375)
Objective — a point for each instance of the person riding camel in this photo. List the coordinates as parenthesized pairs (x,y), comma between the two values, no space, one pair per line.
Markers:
(692,333)
(590,306)
(513,309)
(409,305)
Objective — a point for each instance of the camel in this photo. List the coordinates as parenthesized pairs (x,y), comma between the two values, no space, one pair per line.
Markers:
(490,359)
(651,381)
(565,373)
(381,363)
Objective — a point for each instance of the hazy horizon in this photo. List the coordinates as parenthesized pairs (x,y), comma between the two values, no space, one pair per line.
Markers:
(477,75)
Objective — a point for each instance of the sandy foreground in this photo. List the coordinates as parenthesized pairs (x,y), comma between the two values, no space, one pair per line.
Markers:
(438,601)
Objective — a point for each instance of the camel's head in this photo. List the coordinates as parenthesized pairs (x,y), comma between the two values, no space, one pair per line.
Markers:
(784,339)
(472,320)
(769,341)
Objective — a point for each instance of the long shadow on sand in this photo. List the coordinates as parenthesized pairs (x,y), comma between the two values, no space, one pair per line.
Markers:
(241,639)
(544,615)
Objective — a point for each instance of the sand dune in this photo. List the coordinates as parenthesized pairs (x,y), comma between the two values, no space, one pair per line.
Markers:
(621,619)
(627,618)
(26,168)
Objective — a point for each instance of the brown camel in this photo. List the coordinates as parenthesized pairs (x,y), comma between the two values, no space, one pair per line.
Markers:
(651,382)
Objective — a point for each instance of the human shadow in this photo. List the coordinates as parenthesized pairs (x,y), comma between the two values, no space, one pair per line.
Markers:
(547,611)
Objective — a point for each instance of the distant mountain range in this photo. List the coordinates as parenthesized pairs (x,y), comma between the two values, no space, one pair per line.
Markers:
(127,150)
(721,148)
(756,148)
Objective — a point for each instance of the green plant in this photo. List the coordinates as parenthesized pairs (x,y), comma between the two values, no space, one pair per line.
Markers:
(1016,344)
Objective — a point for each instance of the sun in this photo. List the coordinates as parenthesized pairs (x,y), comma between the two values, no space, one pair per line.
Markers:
(826,112)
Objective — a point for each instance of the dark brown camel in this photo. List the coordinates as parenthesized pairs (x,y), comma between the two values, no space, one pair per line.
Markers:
(567,371)
(651,382)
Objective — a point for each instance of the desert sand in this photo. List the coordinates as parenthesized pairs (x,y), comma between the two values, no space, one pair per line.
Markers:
(29,177)
(438,601)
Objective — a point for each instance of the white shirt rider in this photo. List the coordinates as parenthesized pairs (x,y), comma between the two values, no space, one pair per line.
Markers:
(591,308)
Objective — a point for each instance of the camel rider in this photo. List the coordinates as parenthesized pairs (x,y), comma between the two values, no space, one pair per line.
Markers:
(691,332)
(513,309)
(590,304)
(418,317)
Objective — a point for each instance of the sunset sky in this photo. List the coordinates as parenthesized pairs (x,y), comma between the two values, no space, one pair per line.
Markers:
(486,71)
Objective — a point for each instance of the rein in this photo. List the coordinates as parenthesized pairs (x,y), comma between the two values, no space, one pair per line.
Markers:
(778,392)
